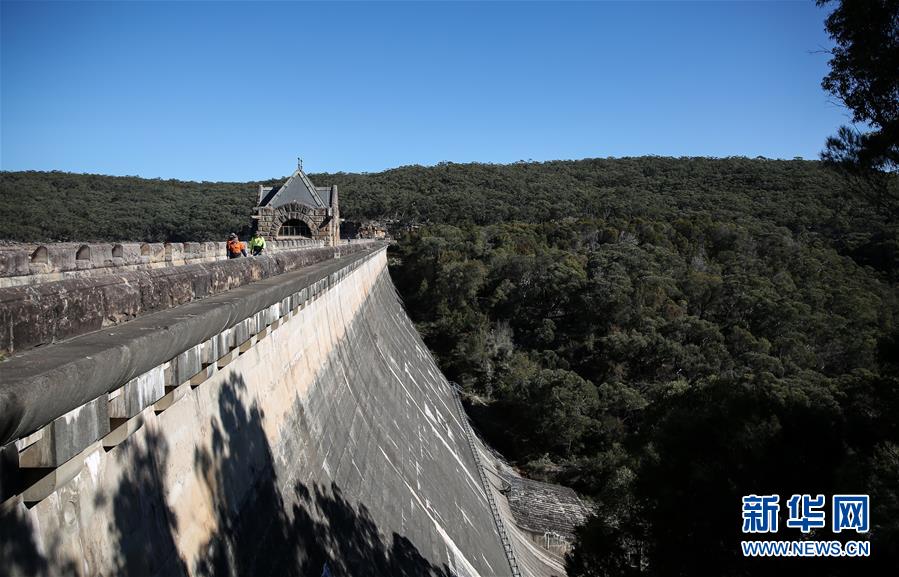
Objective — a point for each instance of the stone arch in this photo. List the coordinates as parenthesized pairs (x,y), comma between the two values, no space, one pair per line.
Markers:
(293,228)
(292,211)
(118,251)
(40,256)
(145,249)
(84,253)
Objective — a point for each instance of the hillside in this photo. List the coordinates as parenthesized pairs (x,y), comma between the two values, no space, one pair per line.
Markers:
(38,206)
(651,331)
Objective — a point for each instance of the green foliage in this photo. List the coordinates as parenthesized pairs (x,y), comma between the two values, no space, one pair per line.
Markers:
(665,335)
(863,76)
(657,363)
(59,206)
(863,73)
(800,196)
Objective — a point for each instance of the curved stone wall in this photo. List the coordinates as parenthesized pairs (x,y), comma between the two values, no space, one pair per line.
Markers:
(41,314)
(326,443)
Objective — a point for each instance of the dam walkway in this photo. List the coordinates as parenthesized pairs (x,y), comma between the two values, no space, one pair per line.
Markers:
(270,416)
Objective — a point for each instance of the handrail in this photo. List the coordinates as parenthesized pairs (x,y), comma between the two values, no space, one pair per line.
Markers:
(497,519)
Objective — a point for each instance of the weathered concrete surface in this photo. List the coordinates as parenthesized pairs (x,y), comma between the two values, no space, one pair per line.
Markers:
(332,442)
(67,435)
(44,313)
(39,385)
(543,508)
(533,559)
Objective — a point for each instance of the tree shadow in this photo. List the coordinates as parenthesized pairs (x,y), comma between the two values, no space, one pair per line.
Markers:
(344,538)
(143,526)
(264,526)
(20,553)
(239,474)
(307,530)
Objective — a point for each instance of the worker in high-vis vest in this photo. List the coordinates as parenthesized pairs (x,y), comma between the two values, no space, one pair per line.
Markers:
(257,244)
(235,247)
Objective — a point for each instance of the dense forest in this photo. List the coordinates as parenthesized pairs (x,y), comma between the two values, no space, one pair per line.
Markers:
(800,195)
(665,335)
(61,206)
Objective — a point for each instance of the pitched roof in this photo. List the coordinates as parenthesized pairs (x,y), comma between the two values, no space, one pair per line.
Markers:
(324,193)
(298,188)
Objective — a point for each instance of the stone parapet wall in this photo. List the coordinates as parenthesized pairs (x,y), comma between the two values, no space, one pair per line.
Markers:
(48,396)
(313,436)
(25,264)
(40,314)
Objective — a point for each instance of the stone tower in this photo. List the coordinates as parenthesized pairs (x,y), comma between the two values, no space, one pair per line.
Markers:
(299,209)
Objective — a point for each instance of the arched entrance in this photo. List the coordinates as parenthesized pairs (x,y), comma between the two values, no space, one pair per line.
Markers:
(294,228)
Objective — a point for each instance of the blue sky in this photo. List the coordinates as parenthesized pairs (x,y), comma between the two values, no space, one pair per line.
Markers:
(236,91)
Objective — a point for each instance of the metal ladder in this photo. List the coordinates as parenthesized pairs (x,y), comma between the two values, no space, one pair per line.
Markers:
(494,510)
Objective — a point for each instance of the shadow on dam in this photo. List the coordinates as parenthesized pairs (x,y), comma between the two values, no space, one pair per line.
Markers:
(325,443)
(318,532)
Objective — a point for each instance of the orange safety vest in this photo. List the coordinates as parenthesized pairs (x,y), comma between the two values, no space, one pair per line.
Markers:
(235,246)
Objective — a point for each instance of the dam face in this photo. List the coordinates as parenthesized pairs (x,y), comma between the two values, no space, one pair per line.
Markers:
(327,444)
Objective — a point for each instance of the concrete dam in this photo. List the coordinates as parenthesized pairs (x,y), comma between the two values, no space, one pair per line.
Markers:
(167,412)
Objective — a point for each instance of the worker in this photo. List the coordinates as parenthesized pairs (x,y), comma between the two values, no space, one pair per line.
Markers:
(257,244)
(235,247)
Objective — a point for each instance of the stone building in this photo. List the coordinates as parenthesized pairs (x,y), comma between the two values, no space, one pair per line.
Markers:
(299,209)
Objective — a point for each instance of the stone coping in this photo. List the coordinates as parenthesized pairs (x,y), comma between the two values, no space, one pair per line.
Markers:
(41,314)
(22,264)
(45,385)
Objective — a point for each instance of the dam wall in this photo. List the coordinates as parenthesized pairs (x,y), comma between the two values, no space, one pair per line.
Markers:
(293,426)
